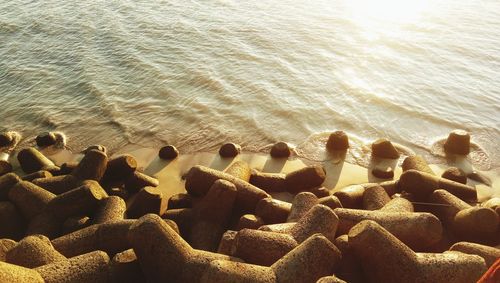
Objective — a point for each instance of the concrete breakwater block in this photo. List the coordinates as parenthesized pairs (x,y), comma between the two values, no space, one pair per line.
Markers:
(280,150)
(489,254)
(476,223)
(349,267)
(337,140)
(92,166)
(108,237)
(10,273)
(458,142)
(304,179)
(229,150)
(168,152)
(211,216)
(147,200)
(421,185)
(384,258)
(181,200)
(109,209)
(30,199)
(32,160)
(416,162)
(5,246)
(383,148)
(164,256)
(80,201)
(272,210)
(75,223)
(301,204)
(36,175)
(269,182)
(455,174)
(138,180)
(58,184)
(125,268)
(7,181)
(316,257)
(199,179)
(91,267)
(417,230)
(375,197)
(5,167)
(119,168)
(45,139)
(45,224)
(249,221)
(265,248)
(33,251)
(398,204)
(239,169)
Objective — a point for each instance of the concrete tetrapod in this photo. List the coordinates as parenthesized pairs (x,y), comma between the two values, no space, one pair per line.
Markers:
(199,179)
(110,209)
(386,259)
(32,160)
(478,224)
(164,256)
(417,230)
(30,199)
(316,257)
(265,248)
(91,267)
(490,254)
(10,273)
(269,182)
(33,251)
(239,169)
(421,185)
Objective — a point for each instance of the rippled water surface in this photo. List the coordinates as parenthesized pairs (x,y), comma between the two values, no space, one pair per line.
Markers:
(200,73)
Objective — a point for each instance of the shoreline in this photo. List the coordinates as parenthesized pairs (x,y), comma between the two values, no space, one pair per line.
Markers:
(340,173)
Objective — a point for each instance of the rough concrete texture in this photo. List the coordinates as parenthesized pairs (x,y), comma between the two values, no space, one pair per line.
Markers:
(227,243)
(249,221)
(269,182)
(349,267)
(417,230)
(301,204)
(92,166)
(211,216)
(383,148)
(36,175)
(119,168)
(416,162)
(91,267)
(33,251)
(30,199)
(337,140)
(375,197)
(398,204)
(74,223)
(280,150)
(421,185)
(108,237)
(181,200)
(317,255)
(229,150)
(273,211)
(147,200)
(125,268)
(330,279)
(455,174)
(489,254)
(458,142)
(305,178)
(7,181)
(57,184)
(386,259)
(239,169)
(80,201)
(168,152)
(5,246)
(139,180)
(110,209)
(351,196)
(164,256)
(265,248)
(32,160)
(199,179)
(10,273)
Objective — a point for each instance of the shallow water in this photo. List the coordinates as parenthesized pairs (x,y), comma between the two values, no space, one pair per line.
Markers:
(199,73)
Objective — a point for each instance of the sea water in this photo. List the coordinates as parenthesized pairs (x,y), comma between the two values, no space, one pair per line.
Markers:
(197,74)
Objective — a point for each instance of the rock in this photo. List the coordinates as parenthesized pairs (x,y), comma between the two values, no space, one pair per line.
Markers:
(458,142)
(337,140)
(168,152)
(455,174)
(280,150)
(229,150)
(45,139)
(383,148)
(386,173)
